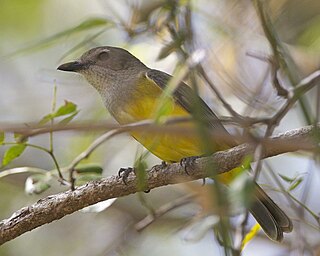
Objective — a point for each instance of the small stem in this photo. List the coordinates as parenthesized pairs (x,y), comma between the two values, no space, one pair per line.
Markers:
(62,180)
(27,144)
(53,108)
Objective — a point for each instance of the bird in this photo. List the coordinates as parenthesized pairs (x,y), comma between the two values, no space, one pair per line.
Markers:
(132,92)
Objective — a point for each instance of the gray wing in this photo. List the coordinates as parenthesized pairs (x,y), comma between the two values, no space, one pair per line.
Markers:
(186,97)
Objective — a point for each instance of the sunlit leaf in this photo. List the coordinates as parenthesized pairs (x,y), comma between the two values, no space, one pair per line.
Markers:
(66,109)
(12,153)
(46,119)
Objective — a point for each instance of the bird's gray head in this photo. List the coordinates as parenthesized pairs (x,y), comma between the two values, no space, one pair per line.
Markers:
(106,66)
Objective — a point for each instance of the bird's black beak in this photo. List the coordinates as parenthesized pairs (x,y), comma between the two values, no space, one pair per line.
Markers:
(73,66)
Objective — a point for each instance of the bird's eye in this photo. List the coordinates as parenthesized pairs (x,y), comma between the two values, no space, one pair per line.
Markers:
(103,55)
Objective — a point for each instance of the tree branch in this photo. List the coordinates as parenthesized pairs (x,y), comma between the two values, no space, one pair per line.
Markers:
(57,206)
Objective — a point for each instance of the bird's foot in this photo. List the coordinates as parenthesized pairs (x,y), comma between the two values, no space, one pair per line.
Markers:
(125,172)
(188,163)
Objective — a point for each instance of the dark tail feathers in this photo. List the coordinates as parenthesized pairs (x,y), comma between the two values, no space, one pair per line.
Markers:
(271,218)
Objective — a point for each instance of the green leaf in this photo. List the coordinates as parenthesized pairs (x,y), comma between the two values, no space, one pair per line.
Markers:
(69,108)
(2,137)
(66,109)
(295,184)
(140,167)
(69,118)
(46,119)
(89,168)
(88,172)
(36,184)
(286,178)
(12,153)
(83,178)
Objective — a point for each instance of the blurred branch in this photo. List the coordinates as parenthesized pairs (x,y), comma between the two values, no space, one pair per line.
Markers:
(219,95)
(281,91)
(305,85)
(141,225)
(281,56)
(57,206)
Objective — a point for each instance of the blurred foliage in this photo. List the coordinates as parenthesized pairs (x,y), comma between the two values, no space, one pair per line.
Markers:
(83,26)
(18,18)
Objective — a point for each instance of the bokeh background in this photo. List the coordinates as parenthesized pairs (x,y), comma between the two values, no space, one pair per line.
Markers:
(38,35)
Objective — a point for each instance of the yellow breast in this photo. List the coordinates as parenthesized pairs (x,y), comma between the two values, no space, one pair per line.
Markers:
(167,146)
(143,105)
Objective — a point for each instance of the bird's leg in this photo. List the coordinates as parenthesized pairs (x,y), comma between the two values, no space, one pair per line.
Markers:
(125,172)
(188,162)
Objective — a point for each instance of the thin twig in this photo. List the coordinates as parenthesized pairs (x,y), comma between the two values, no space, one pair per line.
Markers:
(85,154)
(281,91)
(281,55)
(216,91)
(163,210)
(305,85)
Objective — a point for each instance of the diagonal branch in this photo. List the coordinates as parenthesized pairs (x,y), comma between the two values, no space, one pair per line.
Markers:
(55,207)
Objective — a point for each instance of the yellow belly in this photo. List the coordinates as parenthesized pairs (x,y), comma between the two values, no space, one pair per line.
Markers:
(167,146)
